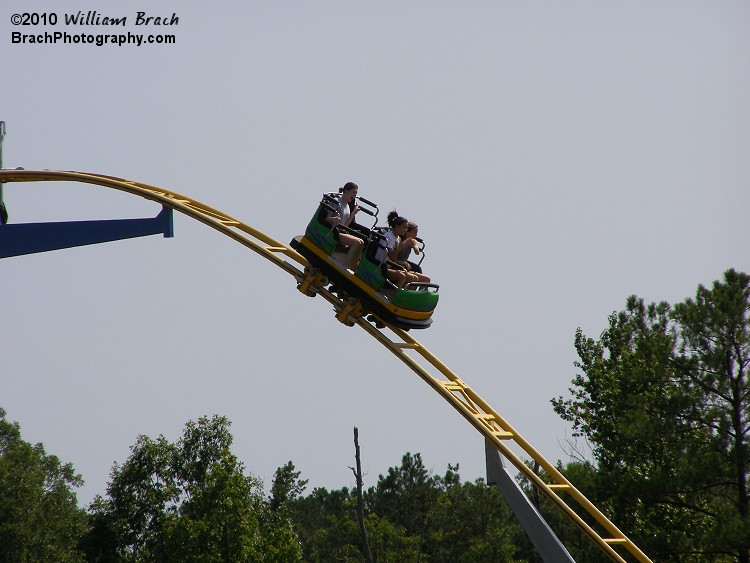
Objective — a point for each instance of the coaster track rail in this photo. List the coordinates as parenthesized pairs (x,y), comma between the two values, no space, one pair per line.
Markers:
(414,355)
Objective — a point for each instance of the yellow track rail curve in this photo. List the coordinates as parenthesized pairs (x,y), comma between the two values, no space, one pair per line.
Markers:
(437,375)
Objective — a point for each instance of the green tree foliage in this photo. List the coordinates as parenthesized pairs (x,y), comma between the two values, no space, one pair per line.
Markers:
(664,399)
(286,486)
(325,523)
(405,495)
(188,501)
(471,522)
(39,516)
(411,515)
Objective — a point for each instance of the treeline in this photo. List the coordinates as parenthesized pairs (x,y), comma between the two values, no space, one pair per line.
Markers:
(662,399)
(193,501)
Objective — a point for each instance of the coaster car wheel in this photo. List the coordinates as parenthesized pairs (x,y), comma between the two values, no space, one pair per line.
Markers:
(351,311)
(313,281)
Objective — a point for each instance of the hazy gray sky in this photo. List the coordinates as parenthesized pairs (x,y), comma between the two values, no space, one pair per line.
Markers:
(557,156)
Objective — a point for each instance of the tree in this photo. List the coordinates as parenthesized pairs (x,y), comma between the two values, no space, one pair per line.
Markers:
(188,501)
(412,515)
(389,541)
(471,522)
(405,495)
(286,486)
(324,523)
(357,470)
(39,515)
(664,399)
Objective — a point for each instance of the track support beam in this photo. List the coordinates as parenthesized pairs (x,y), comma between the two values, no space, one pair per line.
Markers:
(546,543)
(29,238)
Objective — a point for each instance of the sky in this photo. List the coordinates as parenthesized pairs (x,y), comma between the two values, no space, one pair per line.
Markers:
(558,157)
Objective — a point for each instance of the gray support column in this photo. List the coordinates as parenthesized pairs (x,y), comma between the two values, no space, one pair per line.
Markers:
(546,543)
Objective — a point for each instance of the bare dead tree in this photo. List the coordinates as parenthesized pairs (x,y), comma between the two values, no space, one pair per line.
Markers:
(360,504)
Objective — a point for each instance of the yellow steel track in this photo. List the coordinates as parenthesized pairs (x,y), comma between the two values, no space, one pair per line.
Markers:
(349,311)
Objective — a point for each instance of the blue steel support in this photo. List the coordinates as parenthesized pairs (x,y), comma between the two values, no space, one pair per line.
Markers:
(28,238)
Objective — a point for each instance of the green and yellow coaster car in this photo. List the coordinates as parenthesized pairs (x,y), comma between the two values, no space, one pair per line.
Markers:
(408,307)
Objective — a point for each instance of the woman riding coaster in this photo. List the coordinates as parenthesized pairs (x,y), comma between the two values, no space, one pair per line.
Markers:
(346,211)
(395,244)
(411,243)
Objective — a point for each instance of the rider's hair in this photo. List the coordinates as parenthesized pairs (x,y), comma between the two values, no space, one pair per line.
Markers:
(347,187)
(395,220)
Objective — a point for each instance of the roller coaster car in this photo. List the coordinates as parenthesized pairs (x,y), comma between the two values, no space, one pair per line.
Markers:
(408,307)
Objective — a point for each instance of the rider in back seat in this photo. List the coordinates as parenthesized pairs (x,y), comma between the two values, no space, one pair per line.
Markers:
(346,212)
